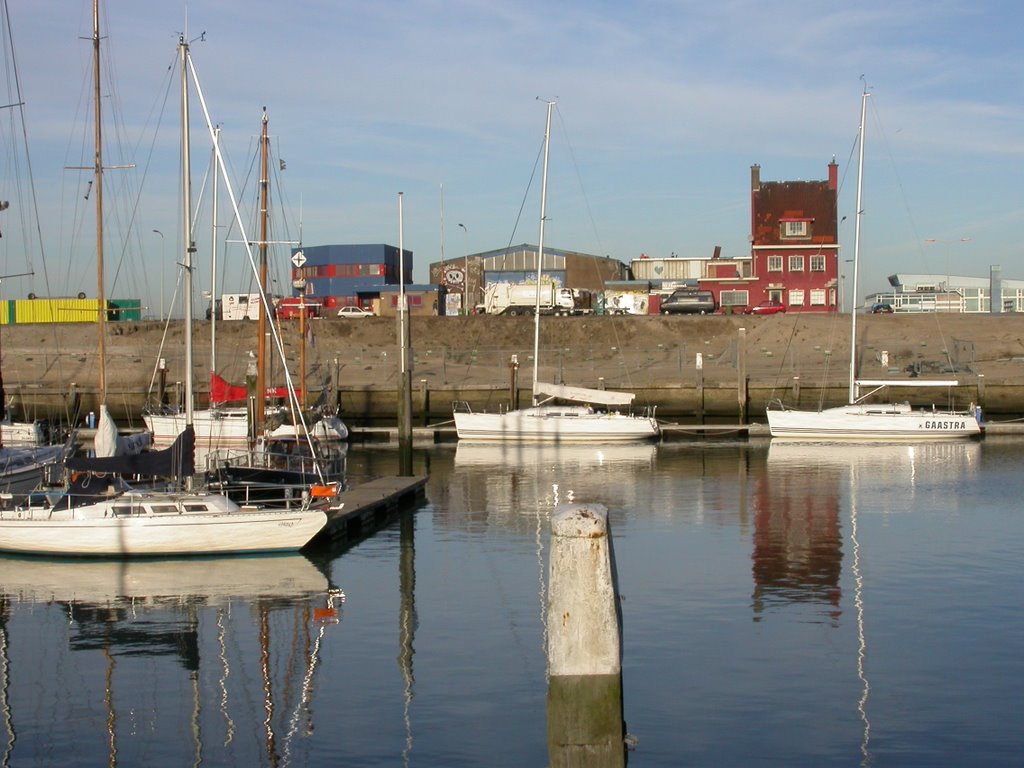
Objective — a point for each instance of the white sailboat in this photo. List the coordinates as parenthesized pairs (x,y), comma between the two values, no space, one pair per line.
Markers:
(545,422)
(101,515)
(862,420)
(228,426)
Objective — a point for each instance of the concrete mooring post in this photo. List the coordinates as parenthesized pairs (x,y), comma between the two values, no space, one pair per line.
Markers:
(584,652)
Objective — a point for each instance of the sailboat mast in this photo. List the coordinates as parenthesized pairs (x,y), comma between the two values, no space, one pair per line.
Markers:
(213,260)
(540,248)
(98,192)
(856,251)
(186,190)
(261,355)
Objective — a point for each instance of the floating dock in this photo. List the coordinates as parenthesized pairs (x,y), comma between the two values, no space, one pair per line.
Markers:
(371,505)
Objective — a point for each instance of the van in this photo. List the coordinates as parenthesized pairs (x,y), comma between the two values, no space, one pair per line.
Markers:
(686,301)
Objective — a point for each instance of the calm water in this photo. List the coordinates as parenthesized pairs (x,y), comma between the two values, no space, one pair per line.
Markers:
(782,605)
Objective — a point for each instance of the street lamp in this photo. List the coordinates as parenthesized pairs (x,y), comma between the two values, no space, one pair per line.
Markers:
(158,232)
(465,277)
(933,241)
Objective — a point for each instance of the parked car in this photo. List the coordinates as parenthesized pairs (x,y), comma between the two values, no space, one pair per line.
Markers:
(769,307)
(354,311)
(882,309)
(690,302)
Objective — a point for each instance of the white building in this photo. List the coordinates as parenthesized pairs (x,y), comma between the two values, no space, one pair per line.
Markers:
(951,293)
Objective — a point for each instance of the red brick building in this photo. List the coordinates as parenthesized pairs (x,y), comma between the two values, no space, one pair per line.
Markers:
(794,241)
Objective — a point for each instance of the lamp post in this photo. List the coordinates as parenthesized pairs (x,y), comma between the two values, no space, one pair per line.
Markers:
(933,241)
(465,278)
(158,232)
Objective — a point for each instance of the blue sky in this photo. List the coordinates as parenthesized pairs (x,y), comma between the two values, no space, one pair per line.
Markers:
(662,109)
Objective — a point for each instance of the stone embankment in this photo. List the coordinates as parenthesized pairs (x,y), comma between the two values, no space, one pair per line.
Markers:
(800,358)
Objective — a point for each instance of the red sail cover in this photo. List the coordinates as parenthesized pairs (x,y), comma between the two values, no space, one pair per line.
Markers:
(223,392)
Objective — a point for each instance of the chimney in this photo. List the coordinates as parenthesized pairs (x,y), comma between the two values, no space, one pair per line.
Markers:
(718,252)
(833,175)
(755,178)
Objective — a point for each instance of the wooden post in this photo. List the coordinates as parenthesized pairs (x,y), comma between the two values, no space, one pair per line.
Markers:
(741,383)
(700,387)
(584,650)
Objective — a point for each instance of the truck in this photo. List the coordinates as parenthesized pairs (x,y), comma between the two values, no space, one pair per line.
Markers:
(521,299)
(240,306)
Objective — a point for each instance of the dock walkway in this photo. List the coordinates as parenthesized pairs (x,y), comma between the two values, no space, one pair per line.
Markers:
(371,505)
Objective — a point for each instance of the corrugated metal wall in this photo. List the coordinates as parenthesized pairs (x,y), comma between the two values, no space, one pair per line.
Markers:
(24,311)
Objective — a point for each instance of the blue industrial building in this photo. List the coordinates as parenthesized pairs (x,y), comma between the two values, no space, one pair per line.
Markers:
(340,275)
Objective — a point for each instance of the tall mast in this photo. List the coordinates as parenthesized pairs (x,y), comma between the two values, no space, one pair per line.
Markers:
(261,356)
(213,260)
(540,248)
(186,184)
(856,249)
(98,192)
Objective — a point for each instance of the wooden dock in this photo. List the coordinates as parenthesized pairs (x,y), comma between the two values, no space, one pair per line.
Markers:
(445,432)
(371,505)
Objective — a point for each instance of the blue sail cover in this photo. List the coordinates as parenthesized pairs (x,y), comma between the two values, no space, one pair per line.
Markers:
(176,461)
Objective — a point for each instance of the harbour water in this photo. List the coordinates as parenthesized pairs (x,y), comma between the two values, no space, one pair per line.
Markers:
(782,604)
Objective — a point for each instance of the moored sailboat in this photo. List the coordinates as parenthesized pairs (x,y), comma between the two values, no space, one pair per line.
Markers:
(101,514)
(545,422)
(860,419)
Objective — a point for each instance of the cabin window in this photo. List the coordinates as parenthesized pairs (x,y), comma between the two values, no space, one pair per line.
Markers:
(796,263)
(195,508)
(164,509)
(774,263)
(818,263)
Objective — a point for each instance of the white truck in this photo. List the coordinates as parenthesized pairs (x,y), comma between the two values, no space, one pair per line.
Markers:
(240,306)
(521,299)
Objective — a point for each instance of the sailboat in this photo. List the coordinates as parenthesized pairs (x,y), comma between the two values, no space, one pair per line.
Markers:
(101,515)
(226,426)
(862,420)
(546,422)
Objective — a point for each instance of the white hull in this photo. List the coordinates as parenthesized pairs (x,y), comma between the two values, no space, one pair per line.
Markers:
(873,422)
(229,428)
(221,427)
(216,580)
(553,424)
(153,524)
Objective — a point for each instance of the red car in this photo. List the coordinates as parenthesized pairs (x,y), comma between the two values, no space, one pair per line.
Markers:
(766,308)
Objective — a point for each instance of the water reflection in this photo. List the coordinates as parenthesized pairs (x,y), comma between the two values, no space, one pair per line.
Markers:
(798,539)
(236,631)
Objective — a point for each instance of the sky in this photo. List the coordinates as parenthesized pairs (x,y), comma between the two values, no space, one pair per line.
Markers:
(662,107)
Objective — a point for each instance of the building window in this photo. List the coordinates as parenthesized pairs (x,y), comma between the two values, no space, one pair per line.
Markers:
(796,297)
(818,297)
(795,229)
(818,263)
(733,299)
(774,263)
(796,263)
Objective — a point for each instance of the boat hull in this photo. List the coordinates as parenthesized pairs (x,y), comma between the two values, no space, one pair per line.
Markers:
(229,428)
(160,535)
(554,425)
(873,422)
